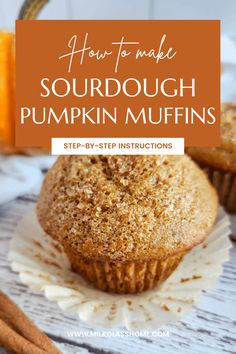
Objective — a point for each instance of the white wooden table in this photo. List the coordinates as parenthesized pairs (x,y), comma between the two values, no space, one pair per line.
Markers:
(209,328)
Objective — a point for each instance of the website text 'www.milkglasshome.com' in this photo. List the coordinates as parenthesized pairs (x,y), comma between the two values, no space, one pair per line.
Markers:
(120,333)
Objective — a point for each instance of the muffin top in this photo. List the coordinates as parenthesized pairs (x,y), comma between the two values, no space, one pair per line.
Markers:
(224,156)
(127,208)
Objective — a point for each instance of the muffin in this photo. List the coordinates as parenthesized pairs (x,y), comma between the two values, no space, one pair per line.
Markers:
(125,222)
(220,162)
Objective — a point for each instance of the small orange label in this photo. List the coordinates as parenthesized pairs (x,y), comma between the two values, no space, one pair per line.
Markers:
(117,79)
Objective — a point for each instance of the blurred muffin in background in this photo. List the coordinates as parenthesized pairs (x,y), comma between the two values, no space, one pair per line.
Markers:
(220,162)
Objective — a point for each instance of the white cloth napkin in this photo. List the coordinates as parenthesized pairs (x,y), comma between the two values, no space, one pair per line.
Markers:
(21,174)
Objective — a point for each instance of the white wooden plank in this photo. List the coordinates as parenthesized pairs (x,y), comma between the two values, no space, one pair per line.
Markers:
(209,327)
(70,349)
(107,9)
(201,9)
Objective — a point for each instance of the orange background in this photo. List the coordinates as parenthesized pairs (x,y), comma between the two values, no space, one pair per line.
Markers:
(40,43)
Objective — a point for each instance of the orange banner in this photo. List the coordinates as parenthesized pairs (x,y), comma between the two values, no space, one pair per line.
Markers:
(117,79)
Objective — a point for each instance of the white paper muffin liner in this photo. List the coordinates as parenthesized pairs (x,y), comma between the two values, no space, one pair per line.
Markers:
(43,266)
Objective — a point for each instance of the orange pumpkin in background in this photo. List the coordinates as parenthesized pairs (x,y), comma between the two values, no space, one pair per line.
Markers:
(7,89)
(7,98)
(29,11)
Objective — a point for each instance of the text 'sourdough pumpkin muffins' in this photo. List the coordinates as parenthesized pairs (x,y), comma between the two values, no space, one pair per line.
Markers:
(125,222)
(220,162)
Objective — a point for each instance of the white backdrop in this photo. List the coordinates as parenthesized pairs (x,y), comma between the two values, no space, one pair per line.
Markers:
(133,9)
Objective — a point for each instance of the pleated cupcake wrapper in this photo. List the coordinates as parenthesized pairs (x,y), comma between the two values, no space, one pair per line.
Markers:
(123,278)
(225,184)
(43,265)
